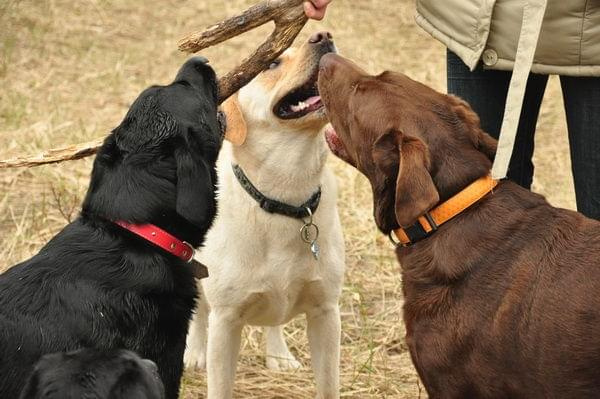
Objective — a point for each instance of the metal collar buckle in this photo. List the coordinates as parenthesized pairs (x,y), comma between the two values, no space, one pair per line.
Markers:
(192,251)
(392,240)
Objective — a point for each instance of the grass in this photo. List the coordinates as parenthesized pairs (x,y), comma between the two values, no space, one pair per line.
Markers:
(70,69)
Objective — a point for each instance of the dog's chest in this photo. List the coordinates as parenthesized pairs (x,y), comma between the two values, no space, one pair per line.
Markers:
(271,244)
(260,261)
(247,231)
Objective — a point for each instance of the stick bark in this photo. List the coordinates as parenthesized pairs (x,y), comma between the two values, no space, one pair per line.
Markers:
(55,155)
(289,19)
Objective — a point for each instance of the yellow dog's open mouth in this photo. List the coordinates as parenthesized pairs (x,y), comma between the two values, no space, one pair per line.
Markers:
(300,101)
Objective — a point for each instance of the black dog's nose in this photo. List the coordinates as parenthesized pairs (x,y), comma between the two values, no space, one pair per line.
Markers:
(150,366)
(196,71)
(197,63)
(200,59)
(319,37)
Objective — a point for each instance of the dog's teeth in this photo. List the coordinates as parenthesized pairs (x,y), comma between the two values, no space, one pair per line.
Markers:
(299,107)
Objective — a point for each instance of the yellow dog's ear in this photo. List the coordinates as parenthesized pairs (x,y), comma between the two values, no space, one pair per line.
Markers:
(236,124)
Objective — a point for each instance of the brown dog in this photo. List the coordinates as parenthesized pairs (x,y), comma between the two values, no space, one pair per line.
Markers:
(503,300)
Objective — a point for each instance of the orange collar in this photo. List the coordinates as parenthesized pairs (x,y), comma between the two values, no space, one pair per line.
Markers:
(430,221)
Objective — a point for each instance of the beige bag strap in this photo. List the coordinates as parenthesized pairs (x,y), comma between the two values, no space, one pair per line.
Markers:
(533,15)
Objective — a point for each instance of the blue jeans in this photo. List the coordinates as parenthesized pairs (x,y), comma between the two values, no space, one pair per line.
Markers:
(485,91)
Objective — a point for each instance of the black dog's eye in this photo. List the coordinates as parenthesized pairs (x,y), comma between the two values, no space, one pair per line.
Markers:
(275,64)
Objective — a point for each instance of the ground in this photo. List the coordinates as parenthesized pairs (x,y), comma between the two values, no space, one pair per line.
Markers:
(70,69)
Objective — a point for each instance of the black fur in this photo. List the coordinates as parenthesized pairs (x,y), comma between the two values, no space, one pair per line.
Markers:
(97,285)
(89,373)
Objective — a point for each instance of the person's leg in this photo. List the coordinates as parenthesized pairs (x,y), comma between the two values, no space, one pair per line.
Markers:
(582,105)
(486,90)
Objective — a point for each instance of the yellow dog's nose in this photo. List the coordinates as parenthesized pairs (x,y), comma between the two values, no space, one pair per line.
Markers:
(320,37)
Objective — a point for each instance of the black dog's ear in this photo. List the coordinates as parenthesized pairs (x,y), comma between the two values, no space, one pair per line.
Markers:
(195,187)
(132,384)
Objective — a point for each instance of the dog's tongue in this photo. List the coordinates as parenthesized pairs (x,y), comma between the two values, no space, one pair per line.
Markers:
(312,100)
(302,105)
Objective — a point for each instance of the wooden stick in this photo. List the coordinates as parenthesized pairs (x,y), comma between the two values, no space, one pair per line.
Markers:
(55,155)
(289,19)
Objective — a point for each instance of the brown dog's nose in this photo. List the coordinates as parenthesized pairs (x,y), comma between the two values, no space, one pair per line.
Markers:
(319,37)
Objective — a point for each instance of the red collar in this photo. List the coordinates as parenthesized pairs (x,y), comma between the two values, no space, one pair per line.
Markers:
(161,238)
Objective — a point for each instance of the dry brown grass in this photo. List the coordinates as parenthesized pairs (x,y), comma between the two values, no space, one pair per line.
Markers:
(68,71)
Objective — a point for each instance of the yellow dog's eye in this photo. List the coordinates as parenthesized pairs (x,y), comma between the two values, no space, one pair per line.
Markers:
(275,64)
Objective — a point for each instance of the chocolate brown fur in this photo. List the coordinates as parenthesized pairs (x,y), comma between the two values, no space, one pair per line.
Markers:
(502,301)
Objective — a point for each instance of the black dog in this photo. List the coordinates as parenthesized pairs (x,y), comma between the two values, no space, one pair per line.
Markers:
(88,373)
(96,284)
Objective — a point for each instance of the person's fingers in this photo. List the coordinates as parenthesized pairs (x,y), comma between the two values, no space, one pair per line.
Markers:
(320,3)
(311,12)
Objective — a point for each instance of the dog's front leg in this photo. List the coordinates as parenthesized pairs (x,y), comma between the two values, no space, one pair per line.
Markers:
(324,339)
(195,352)
(224,336)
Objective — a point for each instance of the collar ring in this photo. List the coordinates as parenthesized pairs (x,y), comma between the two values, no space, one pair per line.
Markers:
(192,251)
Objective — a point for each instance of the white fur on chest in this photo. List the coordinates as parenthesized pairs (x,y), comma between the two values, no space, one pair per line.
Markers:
(257,260)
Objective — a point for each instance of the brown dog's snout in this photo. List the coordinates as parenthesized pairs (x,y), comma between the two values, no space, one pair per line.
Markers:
(336,64)
(331,64)
(328,61)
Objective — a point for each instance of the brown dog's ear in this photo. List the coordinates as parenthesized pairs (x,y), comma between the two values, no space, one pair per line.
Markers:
(236,124)
(415,191)
(482,141)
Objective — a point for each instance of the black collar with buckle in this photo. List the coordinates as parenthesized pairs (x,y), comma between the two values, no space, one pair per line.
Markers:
(273,206)
(417,231)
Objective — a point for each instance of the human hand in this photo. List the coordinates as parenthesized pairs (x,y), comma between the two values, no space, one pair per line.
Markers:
(315,9)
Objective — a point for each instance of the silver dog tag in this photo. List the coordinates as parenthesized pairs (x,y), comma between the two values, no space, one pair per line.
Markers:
(315,249)
(309,234)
